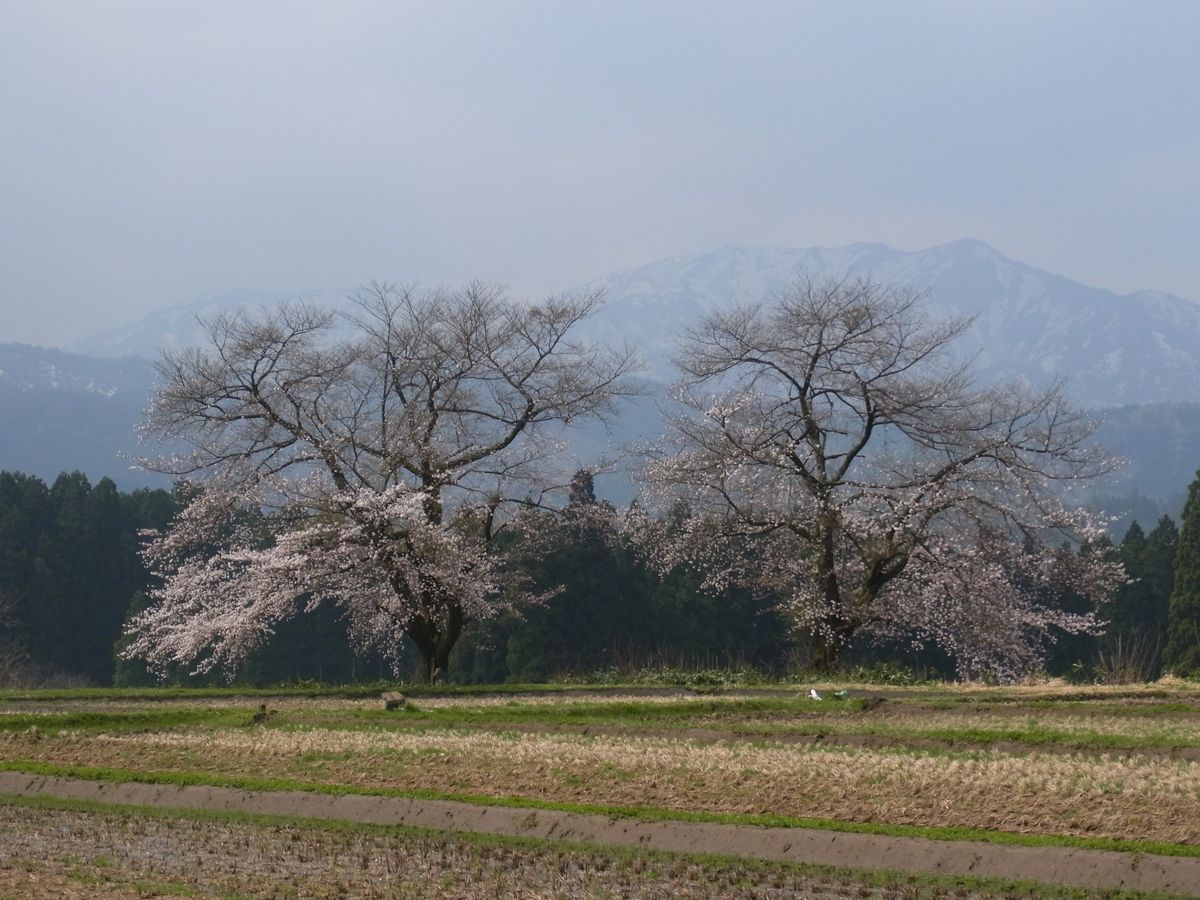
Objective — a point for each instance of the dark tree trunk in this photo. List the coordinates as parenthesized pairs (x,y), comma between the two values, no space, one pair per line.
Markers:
(825,646)
(822,654)
(826,642)
(435,637)
(434,641)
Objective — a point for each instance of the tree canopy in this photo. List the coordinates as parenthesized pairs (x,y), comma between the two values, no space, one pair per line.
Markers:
(832,449)
(391,443)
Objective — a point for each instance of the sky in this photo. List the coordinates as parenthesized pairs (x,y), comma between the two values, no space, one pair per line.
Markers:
(154,152)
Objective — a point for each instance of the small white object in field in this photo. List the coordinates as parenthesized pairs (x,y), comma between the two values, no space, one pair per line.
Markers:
(813,695)
(394,700)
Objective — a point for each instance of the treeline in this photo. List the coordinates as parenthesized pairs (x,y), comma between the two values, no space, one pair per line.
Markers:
(69,565)
(71,574)
(610,610)
(1153,622)
(1134,644)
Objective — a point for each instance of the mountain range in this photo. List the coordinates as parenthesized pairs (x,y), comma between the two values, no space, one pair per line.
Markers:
(66,411)
(1135,357)
(1113,349)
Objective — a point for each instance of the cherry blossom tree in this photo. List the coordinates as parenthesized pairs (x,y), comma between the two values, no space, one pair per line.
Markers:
(366,459)
(831,449)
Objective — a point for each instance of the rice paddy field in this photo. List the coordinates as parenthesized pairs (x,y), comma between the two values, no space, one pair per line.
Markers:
(1056,779)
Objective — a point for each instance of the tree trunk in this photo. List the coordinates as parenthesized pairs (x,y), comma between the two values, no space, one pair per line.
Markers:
(434,642)
(825,646)
(822,654)
(825,643)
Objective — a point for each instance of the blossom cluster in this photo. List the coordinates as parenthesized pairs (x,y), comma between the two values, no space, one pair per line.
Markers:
(829,451)
(230,574)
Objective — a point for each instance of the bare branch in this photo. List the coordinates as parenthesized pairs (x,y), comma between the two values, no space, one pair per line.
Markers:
(834,450)
(435,402)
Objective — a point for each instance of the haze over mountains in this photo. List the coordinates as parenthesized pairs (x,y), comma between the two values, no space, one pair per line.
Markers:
(1136,350)
(1114,349)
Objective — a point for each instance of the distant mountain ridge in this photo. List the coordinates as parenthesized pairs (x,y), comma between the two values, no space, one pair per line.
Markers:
(1136,355)
(27,368)
(63,412)
(179,326)
(1113,349)
(1030,324)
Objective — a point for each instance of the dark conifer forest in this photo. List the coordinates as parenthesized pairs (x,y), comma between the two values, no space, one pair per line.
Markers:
(71,575)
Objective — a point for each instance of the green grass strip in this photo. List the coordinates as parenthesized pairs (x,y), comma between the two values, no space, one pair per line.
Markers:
(630,715)
(672,713)
(356,691)
(51,695)
(707,715)
(932,693)
(936,833)
(124,720)
(881,878)
(622,711)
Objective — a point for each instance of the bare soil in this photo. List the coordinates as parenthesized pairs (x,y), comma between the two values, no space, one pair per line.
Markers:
(69,854)
(1052,865)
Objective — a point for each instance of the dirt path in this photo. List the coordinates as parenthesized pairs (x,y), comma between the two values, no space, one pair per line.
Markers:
(1054,865)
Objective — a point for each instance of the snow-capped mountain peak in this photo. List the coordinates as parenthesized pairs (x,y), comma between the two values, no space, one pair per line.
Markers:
(1029,323)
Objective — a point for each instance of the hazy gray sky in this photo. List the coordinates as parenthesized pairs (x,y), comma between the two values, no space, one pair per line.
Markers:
(154,151)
